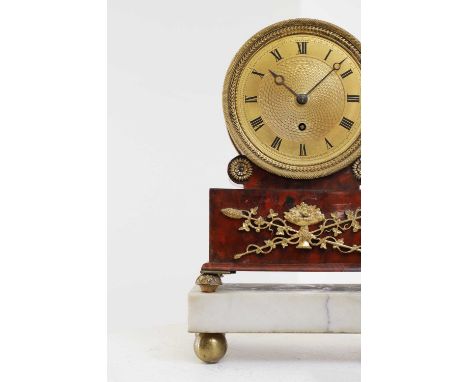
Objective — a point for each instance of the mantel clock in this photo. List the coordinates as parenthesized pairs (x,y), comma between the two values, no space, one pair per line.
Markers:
(291,103)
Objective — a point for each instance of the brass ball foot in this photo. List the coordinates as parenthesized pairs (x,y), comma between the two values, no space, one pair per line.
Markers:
(210,347)
(208,283)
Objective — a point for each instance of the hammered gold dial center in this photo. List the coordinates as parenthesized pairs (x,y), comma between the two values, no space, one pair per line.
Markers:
(321,111)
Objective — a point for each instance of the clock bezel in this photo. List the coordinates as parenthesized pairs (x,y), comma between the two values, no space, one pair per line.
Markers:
(243,144)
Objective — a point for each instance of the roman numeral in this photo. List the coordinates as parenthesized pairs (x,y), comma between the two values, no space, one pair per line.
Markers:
(346,74)
(252,99)
(257,73)
(276,54)
(328,54)
(329,145)
(352,98)
(302,47)
(302,150)
(276,143)
(346,123)
(257,123)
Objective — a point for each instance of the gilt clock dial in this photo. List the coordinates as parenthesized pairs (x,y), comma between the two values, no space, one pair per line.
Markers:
(292,99)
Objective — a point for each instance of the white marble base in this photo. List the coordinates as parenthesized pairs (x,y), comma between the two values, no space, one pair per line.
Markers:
(276,308)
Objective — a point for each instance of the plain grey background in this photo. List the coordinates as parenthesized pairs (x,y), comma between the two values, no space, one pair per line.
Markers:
(168,144)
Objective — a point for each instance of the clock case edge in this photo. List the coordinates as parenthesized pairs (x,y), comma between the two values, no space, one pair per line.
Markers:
(338,191)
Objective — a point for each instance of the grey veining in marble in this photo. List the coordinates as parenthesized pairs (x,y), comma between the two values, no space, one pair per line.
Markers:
(290,287)
(269,308)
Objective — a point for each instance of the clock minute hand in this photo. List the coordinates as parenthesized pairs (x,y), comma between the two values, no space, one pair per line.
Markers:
(336,66)
(279,80)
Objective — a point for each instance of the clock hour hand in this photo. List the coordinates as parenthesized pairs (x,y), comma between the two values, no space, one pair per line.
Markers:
(279,80)
(336,66)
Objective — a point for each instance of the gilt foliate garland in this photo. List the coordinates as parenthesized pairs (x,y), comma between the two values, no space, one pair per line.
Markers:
(326,235)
